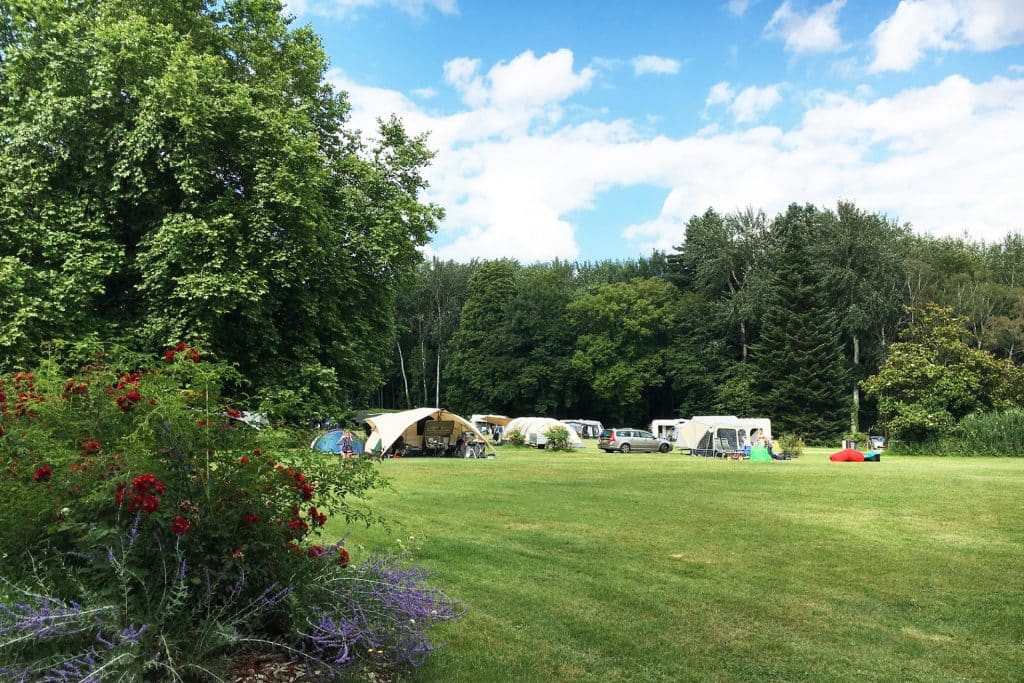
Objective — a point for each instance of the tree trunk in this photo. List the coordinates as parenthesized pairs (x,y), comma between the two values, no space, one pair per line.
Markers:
(423,363)
(405,378)
(743,326)
(437,385)
(855,413)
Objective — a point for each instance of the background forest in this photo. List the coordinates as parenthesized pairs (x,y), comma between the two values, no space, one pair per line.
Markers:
(782,316)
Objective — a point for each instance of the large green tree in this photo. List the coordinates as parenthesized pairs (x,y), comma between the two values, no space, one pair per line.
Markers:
(800,375)
(862,256)
(483,368)
(932,378)
(180,170)
(622,351)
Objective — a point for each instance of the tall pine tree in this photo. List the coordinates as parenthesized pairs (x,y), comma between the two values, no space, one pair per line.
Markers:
(482,372)
(801,375)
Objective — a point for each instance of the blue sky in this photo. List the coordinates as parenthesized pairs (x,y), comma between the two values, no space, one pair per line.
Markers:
(595,130)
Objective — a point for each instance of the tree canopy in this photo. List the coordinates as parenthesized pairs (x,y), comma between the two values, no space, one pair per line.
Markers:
(181,170)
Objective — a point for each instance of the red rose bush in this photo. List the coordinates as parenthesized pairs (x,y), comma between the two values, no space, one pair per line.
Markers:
(171,536)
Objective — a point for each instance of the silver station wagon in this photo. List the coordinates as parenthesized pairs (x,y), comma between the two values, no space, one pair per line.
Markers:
(627,439)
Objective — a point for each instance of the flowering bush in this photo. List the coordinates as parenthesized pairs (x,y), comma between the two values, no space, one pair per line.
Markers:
(167,534)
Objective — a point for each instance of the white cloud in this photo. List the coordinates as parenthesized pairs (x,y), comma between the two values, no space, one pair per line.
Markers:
(738,7)
(527,80)
(945,157)
(1017,68)
(919,26)
(720,93)
(424,93)
(650,64)
(815,32)
(343,9)
(752,102)
(523,82)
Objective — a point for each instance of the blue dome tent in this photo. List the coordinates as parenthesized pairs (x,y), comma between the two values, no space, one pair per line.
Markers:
(336,440)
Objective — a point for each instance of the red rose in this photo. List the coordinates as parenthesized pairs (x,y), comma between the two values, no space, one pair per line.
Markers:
(169,356)
(119,493)
(234,413)
(342,557)
(251,518)
(318,517)
(181,346)
(243,460)
(43,473)
(316,551)
(179,525)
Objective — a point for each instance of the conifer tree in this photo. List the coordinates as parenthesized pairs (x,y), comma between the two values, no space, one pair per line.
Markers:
(482,370)
(800,370)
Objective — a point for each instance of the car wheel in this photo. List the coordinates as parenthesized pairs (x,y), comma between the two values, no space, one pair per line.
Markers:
(663,448)
(624,448)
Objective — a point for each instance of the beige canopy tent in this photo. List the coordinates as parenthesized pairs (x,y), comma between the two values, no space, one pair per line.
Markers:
(430,429)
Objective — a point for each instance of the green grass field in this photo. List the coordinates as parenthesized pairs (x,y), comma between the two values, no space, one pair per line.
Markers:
(587,566)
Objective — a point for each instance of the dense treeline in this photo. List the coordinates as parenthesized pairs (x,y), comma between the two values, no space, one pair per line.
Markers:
(783,316)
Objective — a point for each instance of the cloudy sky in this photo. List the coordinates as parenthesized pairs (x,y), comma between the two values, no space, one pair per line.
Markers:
(595,130)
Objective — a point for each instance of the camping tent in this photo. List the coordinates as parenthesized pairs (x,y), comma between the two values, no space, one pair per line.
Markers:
(760,454)
(433,431)
(725,429)
(334,441)
(493,420)
(534,430)
(727,433)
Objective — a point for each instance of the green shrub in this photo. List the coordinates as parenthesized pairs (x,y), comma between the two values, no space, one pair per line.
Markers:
(995,433)
(516,437)
(791,444)
(558,438)
(999,433)
(859,437)
(148,533)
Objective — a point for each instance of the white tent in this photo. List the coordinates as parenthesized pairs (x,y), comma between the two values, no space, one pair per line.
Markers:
(426,428)
(534,430)
(587,429)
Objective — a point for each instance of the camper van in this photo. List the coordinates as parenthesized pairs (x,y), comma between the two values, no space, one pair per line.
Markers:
(667,429)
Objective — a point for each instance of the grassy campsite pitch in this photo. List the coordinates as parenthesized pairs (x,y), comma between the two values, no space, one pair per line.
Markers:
(587,566)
